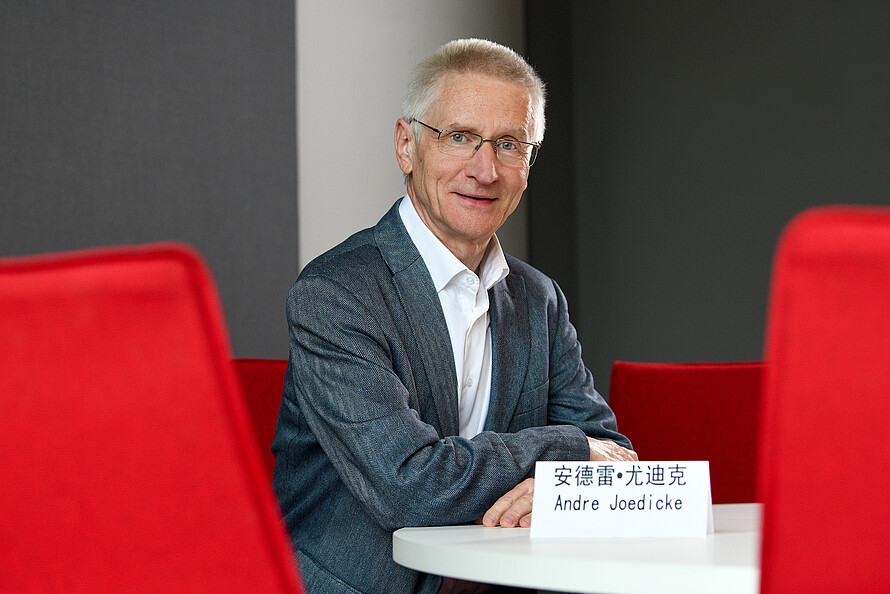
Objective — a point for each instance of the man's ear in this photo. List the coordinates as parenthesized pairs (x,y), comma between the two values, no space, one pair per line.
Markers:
(404,140)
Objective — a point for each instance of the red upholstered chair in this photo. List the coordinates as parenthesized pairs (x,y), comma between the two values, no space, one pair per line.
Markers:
(693,411)
(826,414)
(128,462)
(262,381)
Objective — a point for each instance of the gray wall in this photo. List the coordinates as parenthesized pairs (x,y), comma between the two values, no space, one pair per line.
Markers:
(132,122)
(681,137)
(142,121)
(694,132)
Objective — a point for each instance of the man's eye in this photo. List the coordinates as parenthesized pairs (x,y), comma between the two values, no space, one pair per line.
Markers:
(507,145)
(459,138)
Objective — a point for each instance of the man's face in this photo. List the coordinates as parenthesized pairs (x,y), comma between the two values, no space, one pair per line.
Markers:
(465,200)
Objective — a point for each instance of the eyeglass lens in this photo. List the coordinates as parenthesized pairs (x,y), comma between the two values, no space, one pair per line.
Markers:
(465,144)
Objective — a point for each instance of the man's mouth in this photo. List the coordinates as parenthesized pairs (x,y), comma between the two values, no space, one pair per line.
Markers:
(478,198)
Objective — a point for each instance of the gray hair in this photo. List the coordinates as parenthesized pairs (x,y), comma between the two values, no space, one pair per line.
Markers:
(471,56)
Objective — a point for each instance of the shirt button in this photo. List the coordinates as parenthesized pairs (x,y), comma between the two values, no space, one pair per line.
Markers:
(469,382)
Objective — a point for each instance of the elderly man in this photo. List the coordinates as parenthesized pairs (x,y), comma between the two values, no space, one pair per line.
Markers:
(428,370)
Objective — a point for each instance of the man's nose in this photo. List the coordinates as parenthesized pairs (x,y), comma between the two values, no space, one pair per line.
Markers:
(484,163)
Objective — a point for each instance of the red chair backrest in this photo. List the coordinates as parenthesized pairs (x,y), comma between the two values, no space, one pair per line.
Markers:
(826,415)
(693,411)
(127,456)
(262,381)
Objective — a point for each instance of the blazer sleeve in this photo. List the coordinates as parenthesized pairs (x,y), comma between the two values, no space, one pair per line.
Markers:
(350,381)
(572,397)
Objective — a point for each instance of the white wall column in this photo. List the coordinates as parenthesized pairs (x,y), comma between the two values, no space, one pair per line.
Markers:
(353,60)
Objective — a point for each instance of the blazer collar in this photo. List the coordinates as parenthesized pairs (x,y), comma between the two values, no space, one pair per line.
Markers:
(394,242)
(418,296)
(511,347)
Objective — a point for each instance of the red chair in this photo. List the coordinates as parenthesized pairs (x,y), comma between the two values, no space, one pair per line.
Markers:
(262,381)
(693,411)
(826,412)
(128,462)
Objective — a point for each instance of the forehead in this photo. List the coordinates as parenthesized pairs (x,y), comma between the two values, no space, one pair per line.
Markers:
(485,104)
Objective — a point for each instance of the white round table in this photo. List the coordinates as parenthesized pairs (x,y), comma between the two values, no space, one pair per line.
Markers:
(726,561)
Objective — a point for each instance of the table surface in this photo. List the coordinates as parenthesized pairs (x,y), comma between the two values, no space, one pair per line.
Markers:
(727,560)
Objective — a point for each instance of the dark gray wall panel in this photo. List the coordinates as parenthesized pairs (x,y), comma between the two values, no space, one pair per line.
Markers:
(145,121)
(552,200)
(701,128)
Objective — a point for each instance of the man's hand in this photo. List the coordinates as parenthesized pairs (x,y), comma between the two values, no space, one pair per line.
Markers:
(514,508)
(603,450)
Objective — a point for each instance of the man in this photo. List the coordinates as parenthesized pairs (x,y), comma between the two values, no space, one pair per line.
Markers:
(428,371)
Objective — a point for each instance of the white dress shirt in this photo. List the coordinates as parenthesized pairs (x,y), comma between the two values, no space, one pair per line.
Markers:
(464,299)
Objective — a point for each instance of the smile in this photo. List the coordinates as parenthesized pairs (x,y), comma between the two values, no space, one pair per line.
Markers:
(483,198)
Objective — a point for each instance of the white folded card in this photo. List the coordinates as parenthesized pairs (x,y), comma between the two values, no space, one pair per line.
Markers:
(622,499)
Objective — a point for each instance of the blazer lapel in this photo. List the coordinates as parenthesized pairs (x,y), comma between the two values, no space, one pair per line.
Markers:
(510,346)
(424,311)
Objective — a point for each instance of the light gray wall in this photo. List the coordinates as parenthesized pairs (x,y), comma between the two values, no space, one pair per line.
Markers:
(353,63)
(126,122)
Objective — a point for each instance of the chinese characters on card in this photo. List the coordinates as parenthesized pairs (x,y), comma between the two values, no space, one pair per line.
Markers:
(614,499)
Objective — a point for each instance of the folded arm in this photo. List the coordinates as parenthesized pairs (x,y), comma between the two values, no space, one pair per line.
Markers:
(572,400)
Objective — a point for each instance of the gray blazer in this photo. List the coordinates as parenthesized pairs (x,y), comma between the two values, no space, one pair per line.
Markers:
(367,436)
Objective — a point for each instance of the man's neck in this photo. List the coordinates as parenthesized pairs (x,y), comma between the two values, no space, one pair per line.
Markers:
(470,254)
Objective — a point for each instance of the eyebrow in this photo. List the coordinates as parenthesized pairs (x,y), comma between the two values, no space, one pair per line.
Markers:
(462,128)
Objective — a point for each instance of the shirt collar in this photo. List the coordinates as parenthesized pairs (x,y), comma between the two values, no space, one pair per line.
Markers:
(441,263)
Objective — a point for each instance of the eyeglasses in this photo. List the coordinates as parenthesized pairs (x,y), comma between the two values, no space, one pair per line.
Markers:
(510,152)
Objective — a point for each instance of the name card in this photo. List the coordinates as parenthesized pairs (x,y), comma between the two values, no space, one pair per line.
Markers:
(622,499)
